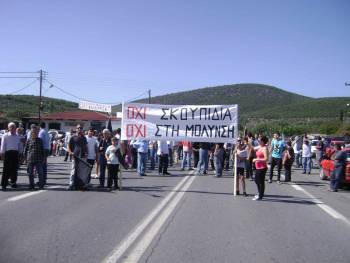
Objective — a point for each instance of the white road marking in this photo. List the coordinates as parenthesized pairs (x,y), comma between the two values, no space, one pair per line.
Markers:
(117,253)
(326,208)
(142,245)
(23,196)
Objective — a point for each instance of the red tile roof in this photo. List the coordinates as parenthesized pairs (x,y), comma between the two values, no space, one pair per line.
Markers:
(77,115)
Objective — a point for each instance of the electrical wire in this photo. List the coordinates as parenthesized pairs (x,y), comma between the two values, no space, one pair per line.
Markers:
(17,72)
(17,77)
(79,98)
(27,86)
(62,90)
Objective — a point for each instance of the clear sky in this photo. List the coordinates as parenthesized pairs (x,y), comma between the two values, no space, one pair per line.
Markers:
(109,51)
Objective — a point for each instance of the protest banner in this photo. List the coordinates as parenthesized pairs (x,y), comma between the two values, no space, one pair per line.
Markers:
(87,105)
(204,123)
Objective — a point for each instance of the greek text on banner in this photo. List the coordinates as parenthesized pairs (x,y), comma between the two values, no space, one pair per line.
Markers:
(205,123)
(87,105)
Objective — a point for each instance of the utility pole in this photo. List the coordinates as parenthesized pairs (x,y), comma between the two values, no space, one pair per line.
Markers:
(40,100)
(149,96)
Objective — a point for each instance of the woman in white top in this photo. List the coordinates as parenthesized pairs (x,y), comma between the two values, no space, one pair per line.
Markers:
(306,155)
(113,164)
(241,155)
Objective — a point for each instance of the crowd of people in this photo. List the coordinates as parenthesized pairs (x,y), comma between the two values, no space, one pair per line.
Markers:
(106,152)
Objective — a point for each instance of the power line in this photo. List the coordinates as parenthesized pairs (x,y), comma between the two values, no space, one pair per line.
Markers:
(141,95)
(27,86)
(79,98)
(1,77)
(62,90)
(17,72)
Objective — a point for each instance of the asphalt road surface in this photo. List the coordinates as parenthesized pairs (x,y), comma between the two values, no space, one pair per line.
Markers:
(177,218)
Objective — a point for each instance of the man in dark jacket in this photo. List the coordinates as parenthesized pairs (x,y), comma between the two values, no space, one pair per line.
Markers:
(288,160)
(35,156)
(77,147)
(339,169)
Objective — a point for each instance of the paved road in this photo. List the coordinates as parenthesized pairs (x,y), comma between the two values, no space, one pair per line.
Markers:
(178,218)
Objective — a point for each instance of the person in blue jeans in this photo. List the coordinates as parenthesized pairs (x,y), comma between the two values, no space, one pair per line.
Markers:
(306,156)
(186,155)
(142,152)
(339,169)
(203,163)
(44,136)
(277,148)
(218,158)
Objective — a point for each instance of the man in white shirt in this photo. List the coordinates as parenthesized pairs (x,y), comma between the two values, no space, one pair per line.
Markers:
(163,160)
(92,145)
(66,140)
(10,148)
(44,136)
(306,155)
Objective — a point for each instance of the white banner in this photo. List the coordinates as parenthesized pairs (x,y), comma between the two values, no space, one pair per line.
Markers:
(202,123)
(87,105)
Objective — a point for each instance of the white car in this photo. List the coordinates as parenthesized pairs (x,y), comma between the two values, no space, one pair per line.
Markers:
(56,134)
(2,133)
(314,146)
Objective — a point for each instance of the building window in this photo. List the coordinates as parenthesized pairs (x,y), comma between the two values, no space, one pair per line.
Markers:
(96,125)
(55,126)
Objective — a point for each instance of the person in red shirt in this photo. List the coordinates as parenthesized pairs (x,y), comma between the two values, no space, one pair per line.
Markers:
(260,161)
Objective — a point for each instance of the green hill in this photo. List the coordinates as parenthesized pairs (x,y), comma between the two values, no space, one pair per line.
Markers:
(18,106)
(261,107)
(257,101)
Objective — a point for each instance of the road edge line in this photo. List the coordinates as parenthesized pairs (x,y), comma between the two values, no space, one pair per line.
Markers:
(326,208)
(146,241)
(120,249)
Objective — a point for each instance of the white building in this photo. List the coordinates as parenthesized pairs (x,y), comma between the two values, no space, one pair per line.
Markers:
(65,121)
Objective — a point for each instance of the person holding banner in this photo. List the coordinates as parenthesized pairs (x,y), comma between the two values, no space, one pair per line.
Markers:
(195,151)
(262,155)
(218,158)
(241,155)
(142,152)
(163,158)
(187,155)
(203,163)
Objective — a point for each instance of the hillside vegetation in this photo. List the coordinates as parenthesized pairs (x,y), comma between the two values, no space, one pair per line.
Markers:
(18,106)
(261,107)
(257,101)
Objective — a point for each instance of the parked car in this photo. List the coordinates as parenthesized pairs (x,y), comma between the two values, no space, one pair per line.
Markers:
(314,147)
(327,165)
(55,134)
